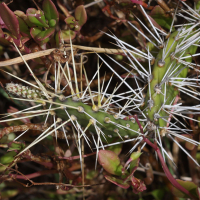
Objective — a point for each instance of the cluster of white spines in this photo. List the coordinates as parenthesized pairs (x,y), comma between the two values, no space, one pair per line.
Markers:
(23,91)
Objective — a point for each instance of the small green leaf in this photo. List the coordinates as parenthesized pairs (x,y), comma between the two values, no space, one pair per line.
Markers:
(16,146)
(135,155)
(50,10)
(110,162)
(24,29)
(39,35)
(81,15)
(65,35)
(10,20)
(36,17)
(188,185)
(24,17)
(117,181)
(8,157)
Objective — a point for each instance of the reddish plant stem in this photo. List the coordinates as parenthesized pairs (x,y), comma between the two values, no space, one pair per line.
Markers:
(164,166)
(33,175)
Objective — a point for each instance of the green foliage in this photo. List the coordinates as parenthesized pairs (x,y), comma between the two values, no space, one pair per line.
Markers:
(110,162)
(190,186)
(39,25)
(123,178)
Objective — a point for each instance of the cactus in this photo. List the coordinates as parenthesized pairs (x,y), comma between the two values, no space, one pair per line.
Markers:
(158,84)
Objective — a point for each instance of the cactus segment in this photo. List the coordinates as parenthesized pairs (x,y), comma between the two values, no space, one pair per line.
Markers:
(159,94)
(128,127)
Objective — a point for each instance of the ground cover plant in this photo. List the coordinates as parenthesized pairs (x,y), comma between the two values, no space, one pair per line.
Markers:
(99,99)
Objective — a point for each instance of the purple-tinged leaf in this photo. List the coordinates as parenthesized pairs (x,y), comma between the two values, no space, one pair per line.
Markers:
(153,21)
(24,29)
(188,185)
(63,8)
(65,35)
(156,24)
(36,17)
(117,181)
(50,10)
(81,15)
(10,20)
(24,17)
(41,36)
(25,39)
(110,162)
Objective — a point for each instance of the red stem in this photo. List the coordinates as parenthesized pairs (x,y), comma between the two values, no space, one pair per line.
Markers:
(33,175)
(164,166)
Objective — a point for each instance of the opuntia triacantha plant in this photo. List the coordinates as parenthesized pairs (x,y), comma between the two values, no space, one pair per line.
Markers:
(67,105)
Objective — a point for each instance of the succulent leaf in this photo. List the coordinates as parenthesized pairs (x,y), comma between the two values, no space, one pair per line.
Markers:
(10,20)
(81,15)
(67,34)
(36,17)
(190,186)
(110,162)
(117,181)
(50,10)
(40,36)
